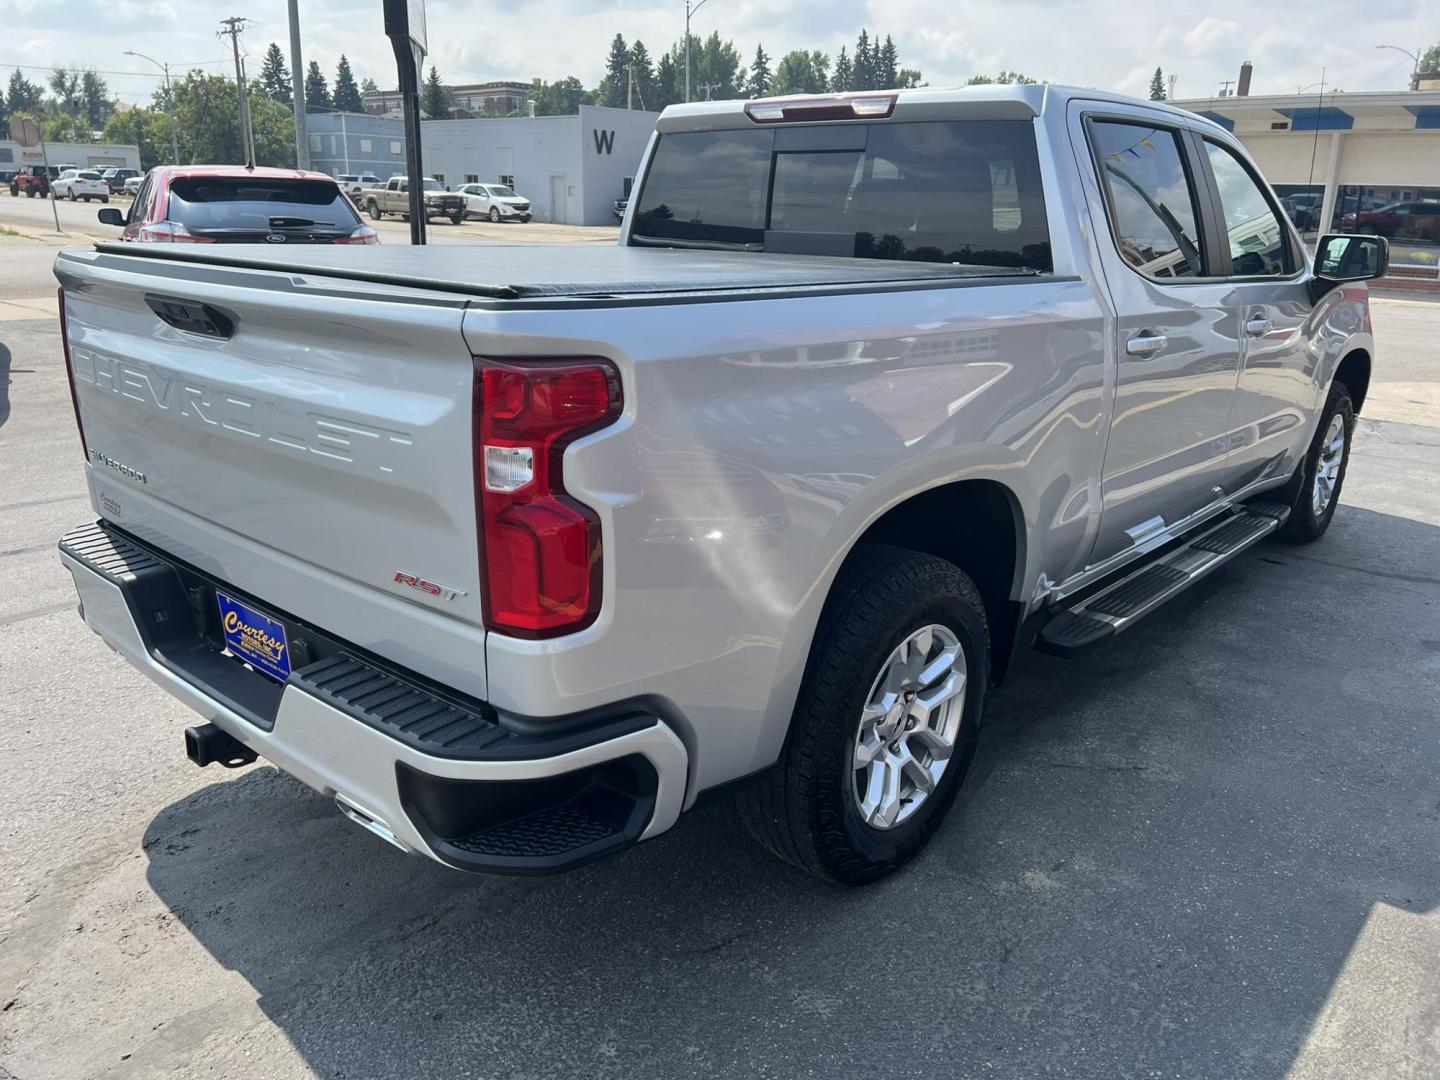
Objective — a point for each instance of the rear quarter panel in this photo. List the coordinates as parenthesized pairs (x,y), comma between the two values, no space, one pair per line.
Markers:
(759,439)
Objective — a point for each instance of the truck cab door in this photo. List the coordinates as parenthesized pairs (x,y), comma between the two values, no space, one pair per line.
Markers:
(1276,392)
(1176,336)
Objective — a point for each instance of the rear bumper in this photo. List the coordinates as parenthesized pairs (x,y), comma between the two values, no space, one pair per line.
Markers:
(485,800)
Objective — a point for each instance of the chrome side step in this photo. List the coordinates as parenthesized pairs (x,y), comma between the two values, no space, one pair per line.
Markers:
(1125,602)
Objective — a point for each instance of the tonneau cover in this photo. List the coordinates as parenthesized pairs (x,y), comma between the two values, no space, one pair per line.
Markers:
(578,270)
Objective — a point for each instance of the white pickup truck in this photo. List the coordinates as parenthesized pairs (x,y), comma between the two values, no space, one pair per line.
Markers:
(518,552)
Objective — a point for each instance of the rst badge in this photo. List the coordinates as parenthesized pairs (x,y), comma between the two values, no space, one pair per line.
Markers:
(425,585)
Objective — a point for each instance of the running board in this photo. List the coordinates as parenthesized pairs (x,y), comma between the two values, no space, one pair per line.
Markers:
(1120,605)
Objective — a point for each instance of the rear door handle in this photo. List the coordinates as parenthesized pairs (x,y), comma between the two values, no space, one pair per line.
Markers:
(1258,326)
(1146,343)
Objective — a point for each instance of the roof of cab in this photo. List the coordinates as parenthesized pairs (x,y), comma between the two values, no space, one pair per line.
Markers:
(992,101)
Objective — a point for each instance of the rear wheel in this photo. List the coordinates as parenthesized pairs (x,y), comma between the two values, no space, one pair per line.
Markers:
(1314,491)
(885,726)
(457,217)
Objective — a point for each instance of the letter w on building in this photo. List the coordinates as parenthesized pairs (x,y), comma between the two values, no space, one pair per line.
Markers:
(604,141)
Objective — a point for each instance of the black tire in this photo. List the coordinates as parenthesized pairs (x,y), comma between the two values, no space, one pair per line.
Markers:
(494,215)
(374,210)
(457,218)
(1305,524)
(803,809)
(105,199)
(73,196)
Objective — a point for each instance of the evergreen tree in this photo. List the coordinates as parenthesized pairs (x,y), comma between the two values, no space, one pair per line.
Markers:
(94,99)
(887,66)
(317,91)
(643,72)
(347,94)
(4,112)
(844,75)
(758,85)
(616,74)
(862,75)
(275,75)
(23,96)
(435,98)
(667,88)
(1157,86)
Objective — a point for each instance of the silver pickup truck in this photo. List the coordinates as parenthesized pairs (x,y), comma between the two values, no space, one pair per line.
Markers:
(394,198)
(517,552)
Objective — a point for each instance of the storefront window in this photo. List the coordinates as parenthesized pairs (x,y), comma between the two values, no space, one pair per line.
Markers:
(1408,216)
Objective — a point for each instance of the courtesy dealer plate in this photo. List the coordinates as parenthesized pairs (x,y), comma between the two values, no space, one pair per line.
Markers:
(254,637)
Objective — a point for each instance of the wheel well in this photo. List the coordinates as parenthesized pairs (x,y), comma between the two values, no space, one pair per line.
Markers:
(1354,372)
(974,524)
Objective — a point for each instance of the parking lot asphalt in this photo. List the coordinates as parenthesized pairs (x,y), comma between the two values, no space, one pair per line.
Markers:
(1208,849)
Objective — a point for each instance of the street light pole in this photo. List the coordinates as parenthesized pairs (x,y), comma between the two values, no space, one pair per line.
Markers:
(1414,71)
(688,12)
(169,101)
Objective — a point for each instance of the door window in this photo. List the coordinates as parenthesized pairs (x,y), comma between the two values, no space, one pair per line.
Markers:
(1152,201)
(1257,238)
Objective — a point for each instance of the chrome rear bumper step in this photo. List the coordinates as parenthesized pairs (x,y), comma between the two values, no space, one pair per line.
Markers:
(1124,602)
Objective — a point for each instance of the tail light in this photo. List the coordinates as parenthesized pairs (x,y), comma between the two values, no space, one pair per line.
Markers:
(70,373)
(361,234)
(170,232)
(540,550)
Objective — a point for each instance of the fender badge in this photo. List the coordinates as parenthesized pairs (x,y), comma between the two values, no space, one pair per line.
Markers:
(425,585)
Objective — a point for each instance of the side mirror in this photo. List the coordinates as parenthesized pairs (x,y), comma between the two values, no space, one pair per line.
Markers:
(111,216)
(1351,258)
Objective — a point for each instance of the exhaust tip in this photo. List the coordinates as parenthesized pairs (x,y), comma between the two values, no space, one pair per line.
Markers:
(209,744)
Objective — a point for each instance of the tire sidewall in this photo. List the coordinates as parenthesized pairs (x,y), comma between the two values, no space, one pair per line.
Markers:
(837,808)
(1304,523)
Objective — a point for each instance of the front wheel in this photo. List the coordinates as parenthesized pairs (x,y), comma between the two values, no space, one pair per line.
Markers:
(1314,491)
(494,215)
(374,210)
(457,217)
(886,722)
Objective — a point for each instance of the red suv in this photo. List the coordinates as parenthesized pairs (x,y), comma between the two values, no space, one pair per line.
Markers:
(232,204)
(1402,220)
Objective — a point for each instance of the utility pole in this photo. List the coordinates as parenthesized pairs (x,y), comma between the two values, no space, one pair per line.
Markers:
(1225,87)
(232,27)
(297,90)
(688,12)
(630,86)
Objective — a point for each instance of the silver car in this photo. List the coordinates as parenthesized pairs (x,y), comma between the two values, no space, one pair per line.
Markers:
(495,202)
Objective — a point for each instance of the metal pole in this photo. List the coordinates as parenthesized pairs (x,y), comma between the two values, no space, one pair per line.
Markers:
(345,142)
(687,50)
(169,101)
(297,90)
(49,183)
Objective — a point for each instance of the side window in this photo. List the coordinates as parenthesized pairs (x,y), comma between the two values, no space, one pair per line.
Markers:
(1152,201)
(141,203)
(1257,238)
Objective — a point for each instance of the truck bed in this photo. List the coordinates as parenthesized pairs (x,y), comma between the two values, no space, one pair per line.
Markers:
(570,271)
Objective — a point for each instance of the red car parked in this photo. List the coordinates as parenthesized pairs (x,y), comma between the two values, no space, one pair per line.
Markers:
(233,204)
(1401,220)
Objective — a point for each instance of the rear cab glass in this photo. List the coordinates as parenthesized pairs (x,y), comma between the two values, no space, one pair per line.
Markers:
(963,191)
(231,202)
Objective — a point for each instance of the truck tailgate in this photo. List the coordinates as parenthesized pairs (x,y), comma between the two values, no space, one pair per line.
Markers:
(303,443)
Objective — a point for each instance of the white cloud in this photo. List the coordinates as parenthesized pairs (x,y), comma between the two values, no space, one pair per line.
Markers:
(1211,35)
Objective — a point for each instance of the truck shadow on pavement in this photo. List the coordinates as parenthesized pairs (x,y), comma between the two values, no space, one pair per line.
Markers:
(1209,849)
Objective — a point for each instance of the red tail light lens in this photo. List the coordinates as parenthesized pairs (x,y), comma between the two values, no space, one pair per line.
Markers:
(540,548)
(361,234)
(70,373)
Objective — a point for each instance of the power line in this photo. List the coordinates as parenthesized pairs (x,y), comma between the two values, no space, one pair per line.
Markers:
(132,74)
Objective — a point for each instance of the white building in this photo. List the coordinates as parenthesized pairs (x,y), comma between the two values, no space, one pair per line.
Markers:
(85,155)
(571,168)
(1368,161)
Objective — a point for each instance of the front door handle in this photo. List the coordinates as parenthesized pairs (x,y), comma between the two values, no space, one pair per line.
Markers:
(1146,343)
(1259,326)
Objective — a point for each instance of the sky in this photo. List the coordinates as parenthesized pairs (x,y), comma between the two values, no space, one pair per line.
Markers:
(1112,45)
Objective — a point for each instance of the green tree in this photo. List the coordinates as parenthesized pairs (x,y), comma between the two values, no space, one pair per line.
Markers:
(801,72)
(887,65)
(643,72)
(63,127)
(863,72)
(24,96)
(149,129)
(275,75)
(1429,62)
(347,94)
(758,84)
(435,98)
(4,115)
(65,85)
(612,86)
(207,109)
(720,69)
(317,91)
(1004,78)
(94,99)
(563,97)
(844,74)
(367,86)
(668,88)
(1157,86)
(909,77)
